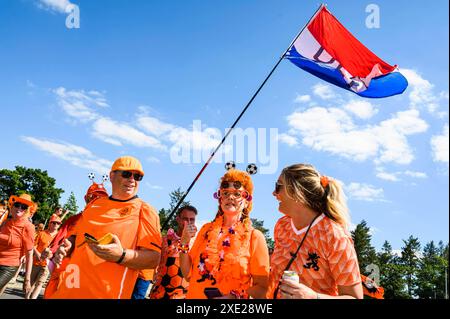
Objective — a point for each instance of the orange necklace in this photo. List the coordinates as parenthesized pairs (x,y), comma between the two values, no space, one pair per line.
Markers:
(223,250)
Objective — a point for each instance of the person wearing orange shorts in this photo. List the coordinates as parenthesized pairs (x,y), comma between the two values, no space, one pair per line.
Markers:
(312,239)
(109,271)
(229,258)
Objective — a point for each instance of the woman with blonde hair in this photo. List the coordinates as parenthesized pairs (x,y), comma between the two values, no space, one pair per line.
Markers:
(312,239)
(229,258)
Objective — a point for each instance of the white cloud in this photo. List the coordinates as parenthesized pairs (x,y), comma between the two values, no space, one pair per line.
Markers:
(323,91)
(55,5)
(439,146)
(287,139)
(302,99)
(364,192)
(79,104)
(415,174)
(395,176)
(74,154)
(157,187)
(332,130)
(153,159)
(388,176)
(197,138)
(116,133)
(361,109)
(422,93)
(154,126)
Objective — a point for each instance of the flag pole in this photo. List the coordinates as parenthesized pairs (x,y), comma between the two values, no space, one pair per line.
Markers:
(235,122)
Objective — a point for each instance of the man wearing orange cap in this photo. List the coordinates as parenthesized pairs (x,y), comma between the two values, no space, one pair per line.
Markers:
(40,272)
(109,271)
(16,240)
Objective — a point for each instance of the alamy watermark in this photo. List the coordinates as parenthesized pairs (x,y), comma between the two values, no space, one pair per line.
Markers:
(373,19)
(243,146)
(73,16)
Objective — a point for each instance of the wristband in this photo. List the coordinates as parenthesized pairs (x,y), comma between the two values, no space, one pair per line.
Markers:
(122,257)
(183,248)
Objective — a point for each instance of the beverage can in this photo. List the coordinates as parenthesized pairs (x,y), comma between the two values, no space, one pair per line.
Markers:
(291,275)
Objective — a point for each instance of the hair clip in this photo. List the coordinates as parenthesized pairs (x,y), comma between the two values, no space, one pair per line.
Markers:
(324,181)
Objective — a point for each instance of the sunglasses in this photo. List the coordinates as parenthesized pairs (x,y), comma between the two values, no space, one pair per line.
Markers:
(127,174)
(19,205)
(55,223)
(235,184)
(277,187)
(236,193)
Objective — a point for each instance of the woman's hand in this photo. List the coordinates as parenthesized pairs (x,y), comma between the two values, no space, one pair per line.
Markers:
(110,252)
(189,231)
(294,290)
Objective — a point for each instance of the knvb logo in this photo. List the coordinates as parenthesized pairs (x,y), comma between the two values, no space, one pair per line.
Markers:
(73,17)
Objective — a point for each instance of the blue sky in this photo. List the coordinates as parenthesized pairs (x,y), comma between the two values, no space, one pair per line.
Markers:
(135,75)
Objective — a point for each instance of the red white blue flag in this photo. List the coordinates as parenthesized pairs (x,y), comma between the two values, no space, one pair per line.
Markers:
(326,49)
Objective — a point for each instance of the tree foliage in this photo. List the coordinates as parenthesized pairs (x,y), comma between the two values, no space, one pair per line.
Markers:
(35,182)
(164,213)
(364,249)
(71,204)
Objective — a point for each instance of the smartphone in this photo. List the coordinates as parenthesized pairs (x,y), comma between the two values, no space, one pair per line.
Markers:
(211,292)
(90,238)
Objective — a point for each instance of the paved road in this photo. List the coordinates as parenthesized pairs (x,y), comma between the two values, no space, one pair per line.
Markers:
(14,290)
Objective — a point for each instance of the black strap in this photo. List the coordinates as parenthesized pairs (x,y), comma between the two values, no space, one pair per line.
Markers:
(294,255)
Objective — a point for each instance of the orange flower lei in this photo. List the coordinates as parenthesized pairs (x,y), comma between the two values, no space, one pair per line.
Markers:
(224,250)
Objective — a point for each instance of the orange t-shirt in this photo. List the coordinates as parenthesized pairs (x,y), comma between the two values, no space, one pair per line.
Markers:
(255,262)
(88,276)
(326,260)
(43,240)
(16,238)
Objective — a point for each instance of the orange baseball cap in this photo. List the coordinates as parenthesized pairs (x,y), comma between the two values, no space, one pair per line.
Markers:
(55,218)
(127,163)
(24,199)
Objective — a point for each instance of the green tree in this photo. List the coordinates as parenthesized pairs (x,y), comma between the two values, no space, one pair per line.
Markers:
(35,182)
(431,274)
(391,273)
(410,260)
(365,251)
(71,204)
(175,196)
(259,224)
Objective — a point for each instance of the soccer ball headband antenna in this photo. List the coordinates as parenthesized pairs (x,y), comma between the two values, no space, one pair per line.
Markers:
(251,170)
(91,176)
